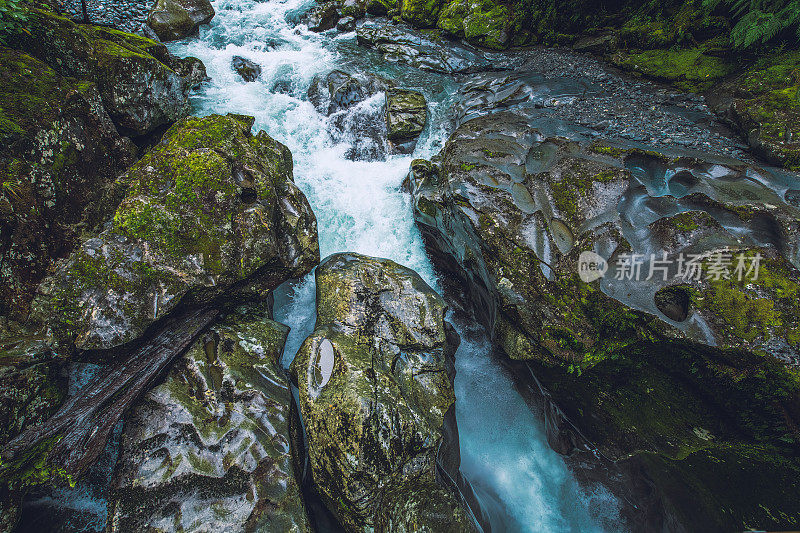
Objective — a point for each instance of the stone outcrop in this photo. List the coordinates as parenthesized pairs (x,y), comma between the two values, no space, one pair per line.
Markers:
(175,19)
(210,211)
(248,70)
(139,90)
(690,378)
(60,155)
(376,397)
(406,114)
(209,448)
(400,43)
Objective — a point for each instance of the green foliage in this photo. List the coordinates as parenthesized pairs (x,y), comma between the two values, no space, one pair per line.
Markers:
(758,22)
(12,18)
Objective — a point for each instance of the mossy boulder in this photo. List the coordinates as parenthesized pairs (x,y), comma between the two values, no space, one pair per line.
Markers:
(60,155)
(684,369)
(383,8)
(763,104)
(211,210)
(324,16)
(175,19)
(406,115)
(209,447)
(139,90)
(688,69)
(421,13)
(487,24)
(375,383)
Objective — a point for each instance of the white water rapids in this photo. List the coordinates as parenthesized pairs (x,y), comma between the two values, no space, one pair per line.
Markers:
(359,207)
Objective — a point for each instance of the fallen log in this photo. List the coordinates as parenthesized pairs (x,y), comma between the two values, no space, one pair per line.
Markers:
(85,420)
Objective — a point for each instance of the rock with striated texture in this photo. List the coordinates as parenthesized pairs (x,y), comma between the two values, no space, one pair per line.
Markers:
(375,385)
(211,211)
(209,448)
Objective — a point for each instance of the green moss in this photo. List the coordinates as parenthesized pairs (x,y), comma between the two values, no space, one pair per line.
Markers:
(487,24)
(451,18)
(688,69)
(684,222)
(576,183)
(421,13)
(598,148)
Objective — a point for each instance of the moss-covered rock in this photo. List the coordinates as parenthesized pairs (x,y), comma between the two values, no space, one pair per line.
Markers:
(421,13)
(375,383)
(175,19)
(209,447)
(210,210)
(487,24)
(59,158)
(406,114)
(139,91)
(763,104)
(34,385)
(685,372)
(688,69)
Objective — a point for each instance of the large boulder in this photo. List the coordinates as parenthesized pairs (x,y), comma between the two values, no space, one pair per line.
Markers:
(406,114)
(324,16)
(60,155)
(376,397)
(655,298)
(483,23)
(421,13)
(140,91)
(175,19)
(210,211)
(209,448)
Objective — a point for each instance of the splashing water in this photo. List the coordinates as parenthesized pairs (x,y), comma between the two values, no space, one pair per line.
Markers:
(524,485)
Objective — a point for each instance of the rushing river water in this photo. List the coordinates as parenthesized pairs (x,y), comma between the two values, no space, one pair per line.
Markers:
(523,484)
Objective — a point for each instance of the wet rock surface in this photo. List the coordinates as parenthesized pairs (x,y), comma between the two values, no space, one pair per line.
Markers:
(211,209)
(175,19)
(406,115)
(209,448)
(248,70)
(376,395)
(399,43)
(643,365)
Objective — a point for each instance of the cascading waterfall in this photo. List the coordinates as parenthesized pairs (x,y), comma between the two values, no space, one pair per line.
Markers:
(522,483)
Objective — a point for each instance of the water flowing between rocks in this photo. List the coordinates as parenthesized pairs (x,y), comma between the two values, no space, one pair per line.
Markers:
(523,484)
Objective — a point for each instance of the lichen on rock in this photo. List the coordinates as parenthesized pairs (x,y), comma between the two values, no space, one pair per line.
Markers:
(375,383)
(210,210)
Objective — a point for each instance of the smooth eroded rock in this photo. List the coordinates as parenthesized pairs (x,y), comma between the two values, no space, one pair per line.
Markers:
(248,70)
(406,114)
(681,364)
(375,385)
(209,448)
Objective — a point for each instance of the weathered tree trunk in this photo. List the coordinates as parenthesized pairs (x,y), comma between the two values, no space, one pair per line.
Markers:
(86,419)
(85,12)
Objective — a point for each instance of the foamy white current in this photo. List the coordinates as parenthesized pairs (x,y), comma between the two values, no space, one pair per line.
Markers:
(359,207)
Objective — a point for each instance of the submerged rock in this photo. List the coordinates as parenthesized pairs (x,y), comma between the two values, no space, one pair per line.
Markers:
(210,211)
(376,397)
(406,114)
(209,449)
(248,70)
(139,90)
(60,155)
(336,91)
(175,19)
(678,365)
